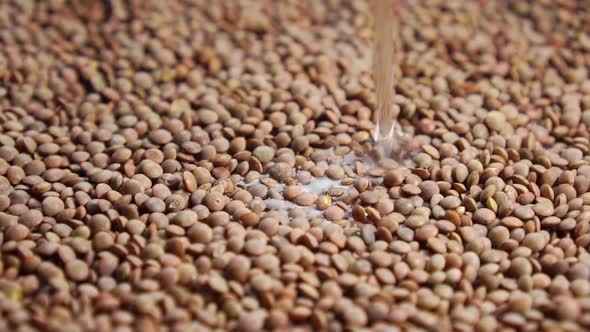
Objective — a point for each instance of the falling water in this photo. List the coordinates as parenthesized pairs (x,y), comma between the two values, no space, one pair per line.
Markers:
(387,131)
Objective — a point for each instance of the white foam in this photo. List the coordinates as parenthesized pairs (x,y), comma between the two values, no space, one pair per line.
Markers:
(377,181)
(321,185)
(322,163)
(279,187)
(278,204)
(317,185)
(314,213)
(349,158)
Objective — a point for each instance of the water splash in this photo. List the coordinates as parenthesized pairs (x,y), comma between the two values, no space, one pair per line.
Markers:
(321,185)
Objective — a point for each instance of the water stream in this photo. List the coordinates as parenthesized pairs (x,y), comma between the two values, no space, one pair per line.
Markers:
(388,134)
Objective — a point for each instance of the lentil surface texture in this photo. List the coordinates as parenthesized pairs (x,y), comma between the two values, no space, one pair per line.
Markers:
(198,165)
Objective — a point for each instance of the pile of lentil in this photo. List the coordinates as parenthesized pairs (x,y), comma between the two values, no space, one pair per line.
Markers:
(146,145)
